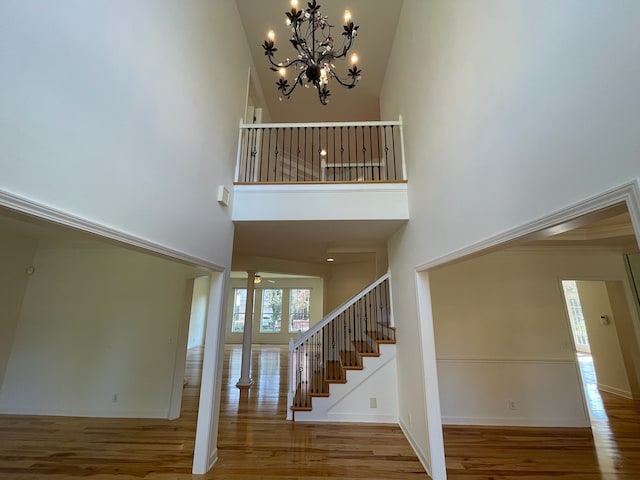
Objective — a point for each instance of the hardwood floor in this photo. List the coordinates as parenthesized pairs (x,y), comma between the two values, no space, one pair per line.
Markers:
(256,443)
(609,450)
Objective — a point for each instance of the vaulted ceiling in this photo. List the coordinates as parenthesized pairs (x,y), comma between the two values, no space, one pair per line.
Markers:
(310,242)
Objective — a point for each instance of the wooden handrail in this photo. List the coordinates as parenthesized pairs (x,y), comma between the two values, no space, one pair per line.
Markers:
(337,311)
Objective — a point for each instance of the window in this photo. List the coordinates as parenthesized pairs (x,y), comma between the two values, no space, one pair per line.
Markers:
(271,318)
(299,309)
(239,305)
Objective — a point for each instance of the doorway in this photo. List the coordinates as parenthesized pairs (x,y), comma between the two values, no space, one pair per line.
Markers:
(596,336)
(583,348)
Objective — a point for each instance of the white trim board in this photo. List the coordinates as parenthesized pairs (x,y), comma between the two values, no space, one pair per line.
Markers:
(417,450)
(549,422)
(44,212)
(628,193)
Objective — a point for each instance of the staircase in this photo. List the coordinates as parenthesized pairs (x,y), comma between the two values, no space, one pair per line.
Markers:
(357,336)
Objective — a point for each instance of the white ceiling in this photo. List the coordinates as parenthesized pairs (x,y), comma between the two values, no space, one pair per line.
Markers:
(313,241)
(377,21)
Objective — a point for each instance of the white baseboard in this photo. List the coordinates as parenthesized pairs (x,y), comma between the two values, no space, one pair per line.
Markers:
(360,418)
(615,391)
(422,457)
(98,413)
(515,422)
(213,458)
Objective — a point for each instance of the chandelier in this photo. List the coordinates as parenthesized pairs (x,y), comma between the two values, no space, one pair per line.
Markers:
(316,52)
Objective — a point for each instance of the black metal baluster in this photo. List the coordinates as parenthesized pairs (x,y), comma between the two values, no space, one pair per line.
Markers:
(269,158)
(358,316)
(349,150)
(366,323)
(364,157)
(355,152)
(341,153)
(373,174)
(333,158)
(323,362)
(320,148)
(304,164)
(334,346)
(386,152)
(291,154)
(276,152)
(379,152)
(376,301)
(260,156)
(393,139)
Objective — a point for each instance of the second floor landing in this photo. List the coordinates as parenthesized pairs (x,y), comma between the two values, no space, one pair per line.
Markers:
(320,171)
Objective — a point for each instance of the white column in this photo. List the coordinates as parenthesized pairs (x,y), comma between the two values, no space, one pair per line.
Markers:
(245,372)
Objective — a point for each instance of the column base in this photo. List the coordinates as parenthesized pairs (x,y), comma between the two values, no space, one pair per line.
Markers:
(244,383)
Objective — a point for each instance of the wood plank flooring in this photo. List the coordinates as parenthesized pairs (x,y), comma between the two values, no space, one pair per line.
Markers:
(256,443)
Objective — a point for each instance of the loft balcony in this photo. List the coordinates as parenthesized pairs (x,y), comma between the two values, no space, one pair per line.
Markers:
(321,171)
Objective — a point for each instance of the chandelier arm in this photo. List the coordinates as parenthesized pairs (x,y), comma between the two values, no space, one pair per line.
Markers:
(293,87)
(301,41)
(323,99)
(343,83)
(285,65)
(345,48)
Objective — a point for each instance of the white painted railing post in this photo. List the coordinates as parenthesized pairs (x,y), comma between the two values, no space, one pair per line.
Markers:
(240,130)
(291,382)
(404,163)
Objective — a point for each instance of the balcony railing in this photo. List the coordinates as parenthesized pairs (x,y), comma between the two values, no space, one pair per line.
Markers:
(321,152)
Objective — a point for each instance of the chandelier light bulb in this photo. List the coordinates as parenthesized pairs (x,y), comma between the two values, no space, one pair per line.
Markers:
(347,16)
(282,71)
(271,35)
(294,4)
(354,59)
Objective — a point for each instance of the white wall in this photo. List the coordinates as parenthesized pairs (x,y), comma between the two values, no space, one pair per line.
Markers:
(502,333)
(125,113)
(16,255)
(281,338)
(96,321)
(346,280)
(199,303)
(512,110)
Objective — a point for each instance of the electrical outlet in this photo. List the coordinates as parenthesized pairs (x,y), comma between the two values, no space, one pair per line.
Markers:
(114,399)
(511,404)
(373,402)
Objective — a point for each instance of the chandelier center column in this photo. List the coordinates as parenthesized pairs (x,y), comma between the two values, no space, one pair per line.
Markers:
(245,380)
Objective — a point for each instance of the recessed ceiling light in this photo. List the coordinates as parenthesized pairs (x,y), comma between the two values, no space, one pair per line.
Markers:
(329,259)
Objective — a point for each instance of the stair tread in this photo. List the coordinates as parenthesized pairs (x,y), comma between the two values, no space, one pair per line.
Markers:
(381,338)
